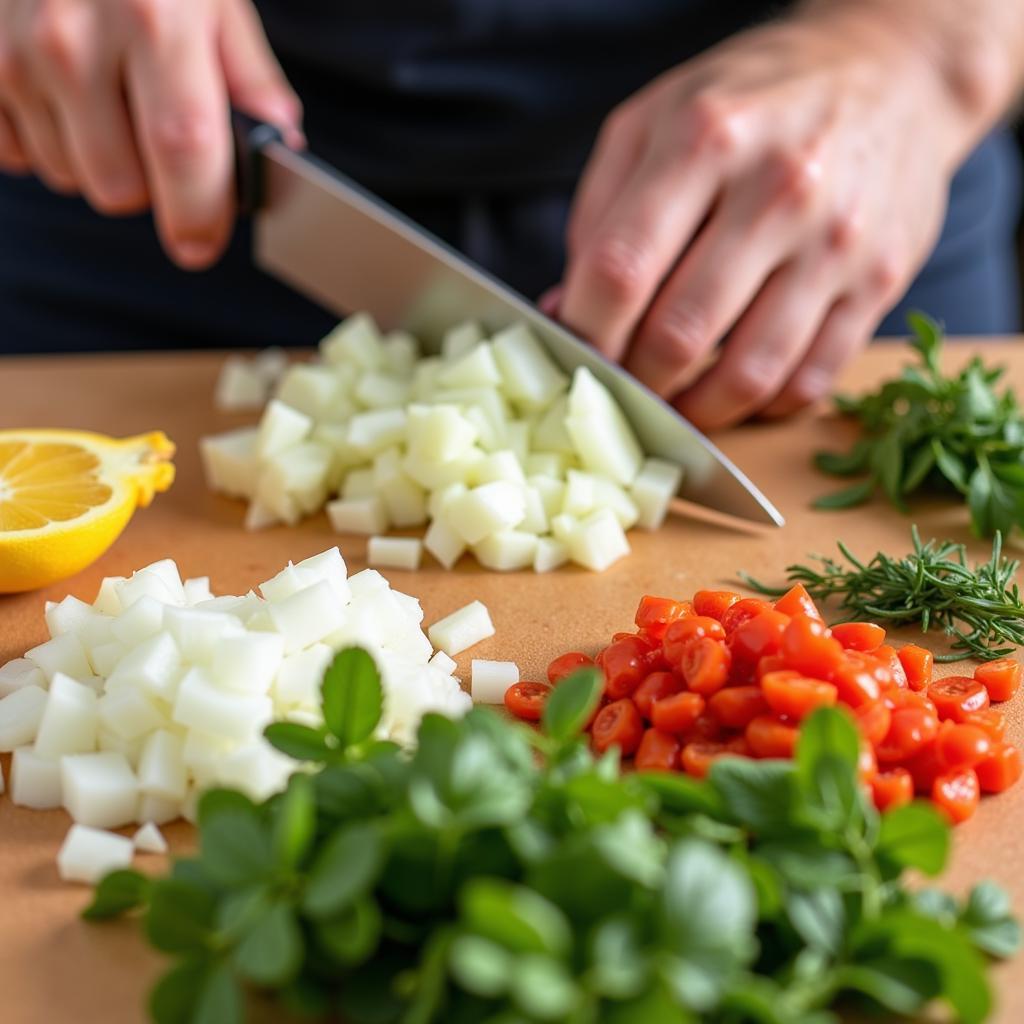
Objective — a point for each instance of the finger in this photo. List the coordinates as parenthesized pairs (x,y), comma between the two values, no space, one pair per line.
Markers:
(255,81)
(13,159)
(42,139)
(89,106)
(719,276)
(611,281)
(550,302)
(617,150)
(762,351)
(179,101)
(846,330)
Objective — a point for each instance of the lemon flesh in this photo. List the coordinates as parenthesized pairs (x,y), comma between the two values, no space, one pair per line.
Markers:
(66,495)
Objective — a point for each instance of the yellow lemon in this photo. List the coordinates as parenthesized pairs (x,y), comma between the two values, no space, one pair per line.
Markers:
(66,495)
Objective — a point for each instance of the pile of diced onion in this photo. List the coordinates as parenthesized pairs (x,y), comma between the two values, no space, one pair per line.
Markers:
(489,444)
(159,689)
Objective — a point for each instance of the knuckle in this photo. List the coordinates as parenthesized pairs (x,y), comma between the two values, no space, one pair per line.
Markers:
(711,125)
(181,138)
(12,70)
(843,232)
(681,333)
(751,382)
(148,16)
(799,177)
(618,268)
(53,36)
(885,275)
(808,386)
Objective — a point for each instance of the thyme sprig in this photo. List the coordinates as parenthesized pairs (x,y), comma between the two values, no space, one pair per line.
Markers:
(979,606)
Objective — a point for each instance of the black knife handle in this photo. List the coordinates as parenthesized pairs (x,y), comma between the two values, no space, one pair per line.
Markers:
(251,138)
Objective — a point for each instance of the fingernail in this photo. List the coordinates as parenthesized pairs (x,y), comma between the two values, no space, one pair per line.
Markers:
(193,255)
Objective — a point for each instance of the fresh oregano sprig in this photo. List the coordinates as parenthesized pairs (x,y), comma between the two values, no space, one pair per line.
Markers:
(473,881)
(979,606)
(928,430)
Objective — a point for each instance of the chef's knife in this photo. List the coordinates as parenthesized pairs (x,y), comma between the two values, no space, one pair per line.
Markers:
(332,240)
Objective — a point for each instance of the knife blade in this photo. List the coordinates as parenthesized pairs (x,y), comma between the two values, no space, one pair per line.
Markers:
(334,241)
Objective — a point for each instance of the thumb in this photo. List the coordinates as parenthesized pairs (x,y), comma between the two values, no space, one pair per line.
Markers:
(255,82)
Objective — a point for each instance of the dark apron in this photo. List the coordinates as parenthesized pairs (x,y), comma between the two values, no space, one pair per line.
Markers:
(473,116)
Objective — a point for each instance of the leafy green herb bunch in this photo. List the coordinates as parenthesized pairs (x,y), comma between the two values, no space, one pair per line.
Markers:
(505,875)
(924,429)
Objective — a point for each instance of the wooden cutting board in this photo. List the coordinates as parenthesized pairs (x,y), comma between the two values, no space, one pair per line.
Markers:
(56,969)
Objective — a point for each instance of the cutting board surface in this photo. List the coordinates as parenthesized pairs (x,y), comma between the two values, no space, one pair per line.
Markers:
(54,968)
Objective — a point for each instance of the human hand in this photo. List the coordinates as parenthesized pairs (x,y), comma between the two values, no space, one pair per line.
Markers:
(778,192)
(127,102)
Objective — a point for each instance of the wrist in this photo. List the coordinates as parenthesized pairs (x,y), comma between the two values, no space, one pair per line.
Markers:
(965,72)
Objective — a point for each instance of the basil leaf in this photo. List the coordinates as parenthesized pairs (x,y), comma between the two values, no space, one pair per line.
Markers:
(481,966)
(353,699)
(343,871)
(543,988)
(117,893)
(515,917)
(571,703)
(827,752)
(180,916)
(901,986)
(914,836)
(989,921)
(758,794)
(299,741)
(920,465)
(294,822)
(219,999)
(270,953)
(819,917)
(174,997)
(236,848)
(950,465)
(845,463)
(221,801)
(353,937)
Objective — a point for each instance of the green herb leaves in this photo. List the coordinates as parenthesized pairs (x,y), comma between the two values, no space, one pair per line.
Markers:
(472,881)
(979,607)
(926,429)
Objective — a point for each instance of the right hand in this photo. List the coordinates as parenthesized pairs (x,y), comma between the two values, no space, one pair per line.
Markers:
(127,102)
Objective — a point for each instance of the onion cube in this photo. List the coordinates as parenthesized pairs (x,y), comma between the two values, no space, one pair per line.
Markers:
(141,584)
(401,350)
(129,713)
(460,339)
(308,616)
(356,340)
(300,472)
(247,663)
(476,367)
(107,600)
(290,580)
(300,675)
(157,810)
(506,550)
(536,518)
(358,484)
(309,389)
(87,854)
(494,506)
(149,839)
(550,433)
(395,552)
(600,432)
(110,741)
(202,751)
(105,658)
(155,666)
(68,616)
(438,433)
(358,515)
(551,554)
(528,374)
(240,385)
(608,494)
(70,721)
(598,541)
(35,780)
(257,769)
(161,768)
(167,570)
(551,491)
(550,464)
(404,499)
(259,516)
(63,653)
(443,663)
(19,673)
(490,679)
(444,543)
(99,789)
(367,581)
(377,390)
(655,486)
(20,715)
(139,622)
(281,426)
(372,432)
(462,629)
(230,462)
(330,566)
(499,465)
(197,589)
(197,633)
(200,704)
(410,605)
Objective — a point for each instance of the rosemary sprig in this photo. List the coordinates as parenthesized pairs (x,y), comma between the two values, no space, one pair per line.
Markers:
(980,606)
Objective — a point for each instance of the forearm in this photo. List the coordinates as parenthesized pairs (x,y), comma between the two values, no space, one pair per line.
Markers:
(975,48)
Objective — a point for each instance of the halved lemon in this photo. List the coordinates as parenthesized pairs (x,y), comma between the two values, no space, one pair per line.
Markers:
(66,495)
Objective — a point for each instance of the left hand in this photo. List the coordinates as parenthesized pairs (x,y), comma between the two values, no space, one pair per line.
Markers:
(779,192)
